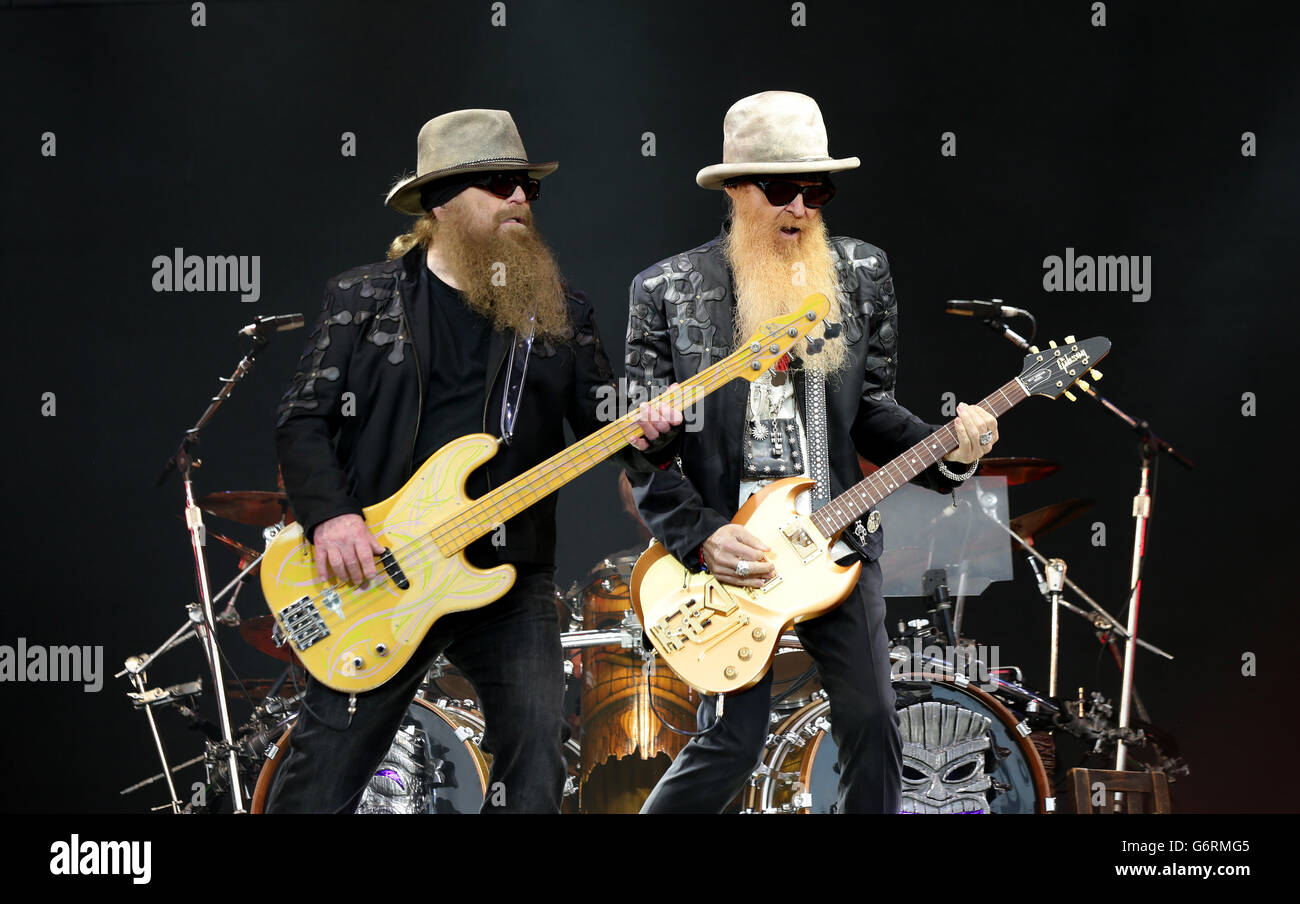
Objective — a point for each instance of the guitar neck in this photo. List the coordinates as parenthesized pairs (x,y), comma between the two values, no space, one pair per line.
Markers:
(494,508)
(832,518)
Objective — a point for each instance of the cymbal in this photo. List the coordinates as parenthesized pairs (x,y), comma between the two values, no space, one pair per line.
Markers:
(246,554)
(257,688)
(1049,517)
(1018,469)
(256,632)
(260,508)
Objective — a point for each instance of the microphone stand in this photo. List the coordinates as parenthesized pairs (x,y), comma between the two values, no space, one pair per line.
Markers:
(1148,449)
(183,462)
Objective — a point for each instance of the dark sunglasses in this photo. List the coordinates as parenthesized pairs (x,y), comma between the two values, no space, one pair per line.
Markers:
(503,185)
(781,192)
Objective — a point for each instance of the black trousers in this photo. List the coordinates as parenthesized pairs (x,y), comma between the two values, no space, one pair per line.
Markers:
(851,649)
(510,650)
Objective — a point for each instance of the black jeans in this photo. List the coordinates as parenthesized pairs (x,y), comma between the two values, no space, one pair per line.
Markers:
(510,650)
(851,649)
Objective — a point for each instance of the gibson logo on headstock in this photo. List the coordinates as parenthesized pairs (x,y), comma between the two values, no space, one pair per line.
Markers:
(1065,361)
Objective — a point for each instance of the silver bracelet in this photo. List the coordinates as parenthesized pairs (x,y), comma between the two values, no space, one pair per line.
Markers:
(943,469)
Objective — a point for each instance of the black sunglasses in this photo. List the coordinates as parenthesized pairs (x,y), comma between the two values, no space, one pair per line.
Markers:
(503,185)
(780,192)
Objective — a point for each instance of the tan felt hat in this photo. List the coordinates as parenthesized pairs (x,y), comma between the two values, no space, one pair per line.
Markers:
(773,132)
(463,141)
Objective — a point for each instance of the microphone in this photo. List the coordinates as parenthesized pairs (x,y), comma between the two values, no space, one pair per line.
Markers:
(994,309)
(276,322)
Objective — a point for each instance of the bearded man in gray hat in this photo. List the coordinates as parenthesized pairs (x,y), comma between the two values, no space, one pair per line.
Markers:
(418,346)
(831,401)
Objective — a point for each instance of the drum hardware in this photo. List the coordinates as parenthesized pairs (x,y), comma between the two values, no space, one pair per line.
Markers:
(1098,611)
(159,776)
(146,700)
(627,636)
(184,462)
(934,584)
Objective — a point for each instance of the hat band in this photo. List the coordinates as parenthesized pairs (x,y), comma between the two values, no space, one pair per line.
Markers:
(480,162)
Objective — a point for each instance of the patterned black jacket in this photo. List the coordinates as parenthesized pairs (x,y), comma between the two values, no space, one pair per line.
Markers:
(680,322)
(372,340)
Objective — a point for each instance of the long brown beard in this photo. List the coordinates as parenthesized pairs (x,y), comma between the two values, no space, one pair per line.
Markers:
(764,278)
(509,277)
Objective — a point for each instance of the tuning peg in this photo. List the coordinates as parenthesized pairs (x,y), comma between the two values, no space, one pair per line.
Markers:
(1096,374)
(1069,395)
(1083,384)
(1033,349)
(1051,343)
(1069,340)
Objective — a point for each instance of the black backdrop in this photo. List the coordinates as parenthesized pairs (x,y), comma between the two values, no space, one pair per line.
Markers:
(225,139)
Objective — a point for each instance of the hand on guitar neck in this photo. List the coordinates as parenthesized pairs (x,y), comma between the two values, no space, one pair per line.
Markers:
(971,423)
(656,418)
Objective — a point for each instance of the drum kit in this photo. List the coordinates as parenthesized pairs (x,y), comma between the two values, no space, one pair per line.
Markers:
(975,738)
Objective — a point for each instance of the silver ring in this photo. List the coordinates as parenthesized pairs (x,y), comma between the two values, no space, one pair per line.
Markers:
(742,568)
(986,438)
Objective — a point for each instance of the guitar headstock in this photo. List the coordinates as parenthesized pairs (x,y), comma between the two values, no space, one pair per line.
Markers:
(1052,371)
(775,337)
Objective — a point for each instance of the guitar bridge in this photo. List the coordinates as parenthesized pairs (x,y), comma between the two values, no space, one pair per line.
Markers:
(704,620)
(302,623)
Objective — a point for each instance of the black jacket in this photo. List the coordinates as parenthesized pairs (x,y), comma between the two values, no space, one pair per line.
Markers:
(339,453)
(681,321)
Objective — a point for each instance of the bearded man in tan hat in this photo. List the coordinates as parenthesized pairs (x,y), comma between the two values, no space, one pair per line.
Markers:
(832,400)
(408,355)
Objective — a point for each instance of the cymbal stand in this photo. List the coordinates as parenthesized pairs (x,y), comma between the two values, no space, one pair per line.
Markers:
(184,462)
(1149,449)
(1099,617)
(135,665)
(1051,588)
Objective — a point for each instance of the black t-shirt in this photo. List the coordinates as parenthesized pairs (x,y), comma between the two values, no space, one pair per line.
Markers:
(457,373)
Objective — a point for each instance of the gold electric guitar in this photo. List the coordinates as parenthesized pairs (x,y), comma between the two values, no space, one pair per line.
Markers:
(719,637)
(355,637)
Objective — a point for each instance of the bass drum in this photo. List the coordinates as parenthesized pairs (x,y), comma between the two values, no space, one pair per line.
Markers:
(963,752)
(433,766)
(626,748)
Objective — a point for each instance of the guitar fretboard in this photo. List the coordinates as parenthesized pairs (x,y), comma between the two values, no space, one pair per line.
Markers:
(496,507)
(836,515)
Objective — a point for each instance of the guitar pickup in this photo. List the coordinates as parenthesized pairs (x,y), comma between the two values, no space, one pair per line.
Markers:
(801,542)
(394,571)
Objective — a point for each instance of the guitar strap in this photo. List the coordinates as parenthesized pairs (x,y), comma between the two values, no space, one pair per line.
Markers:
(814,412)
(515,383)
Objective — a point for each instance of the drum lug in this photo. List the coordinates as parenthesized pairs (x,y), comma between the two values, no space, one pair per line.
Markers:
(1023,728)
(801,800)
(1049,804)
